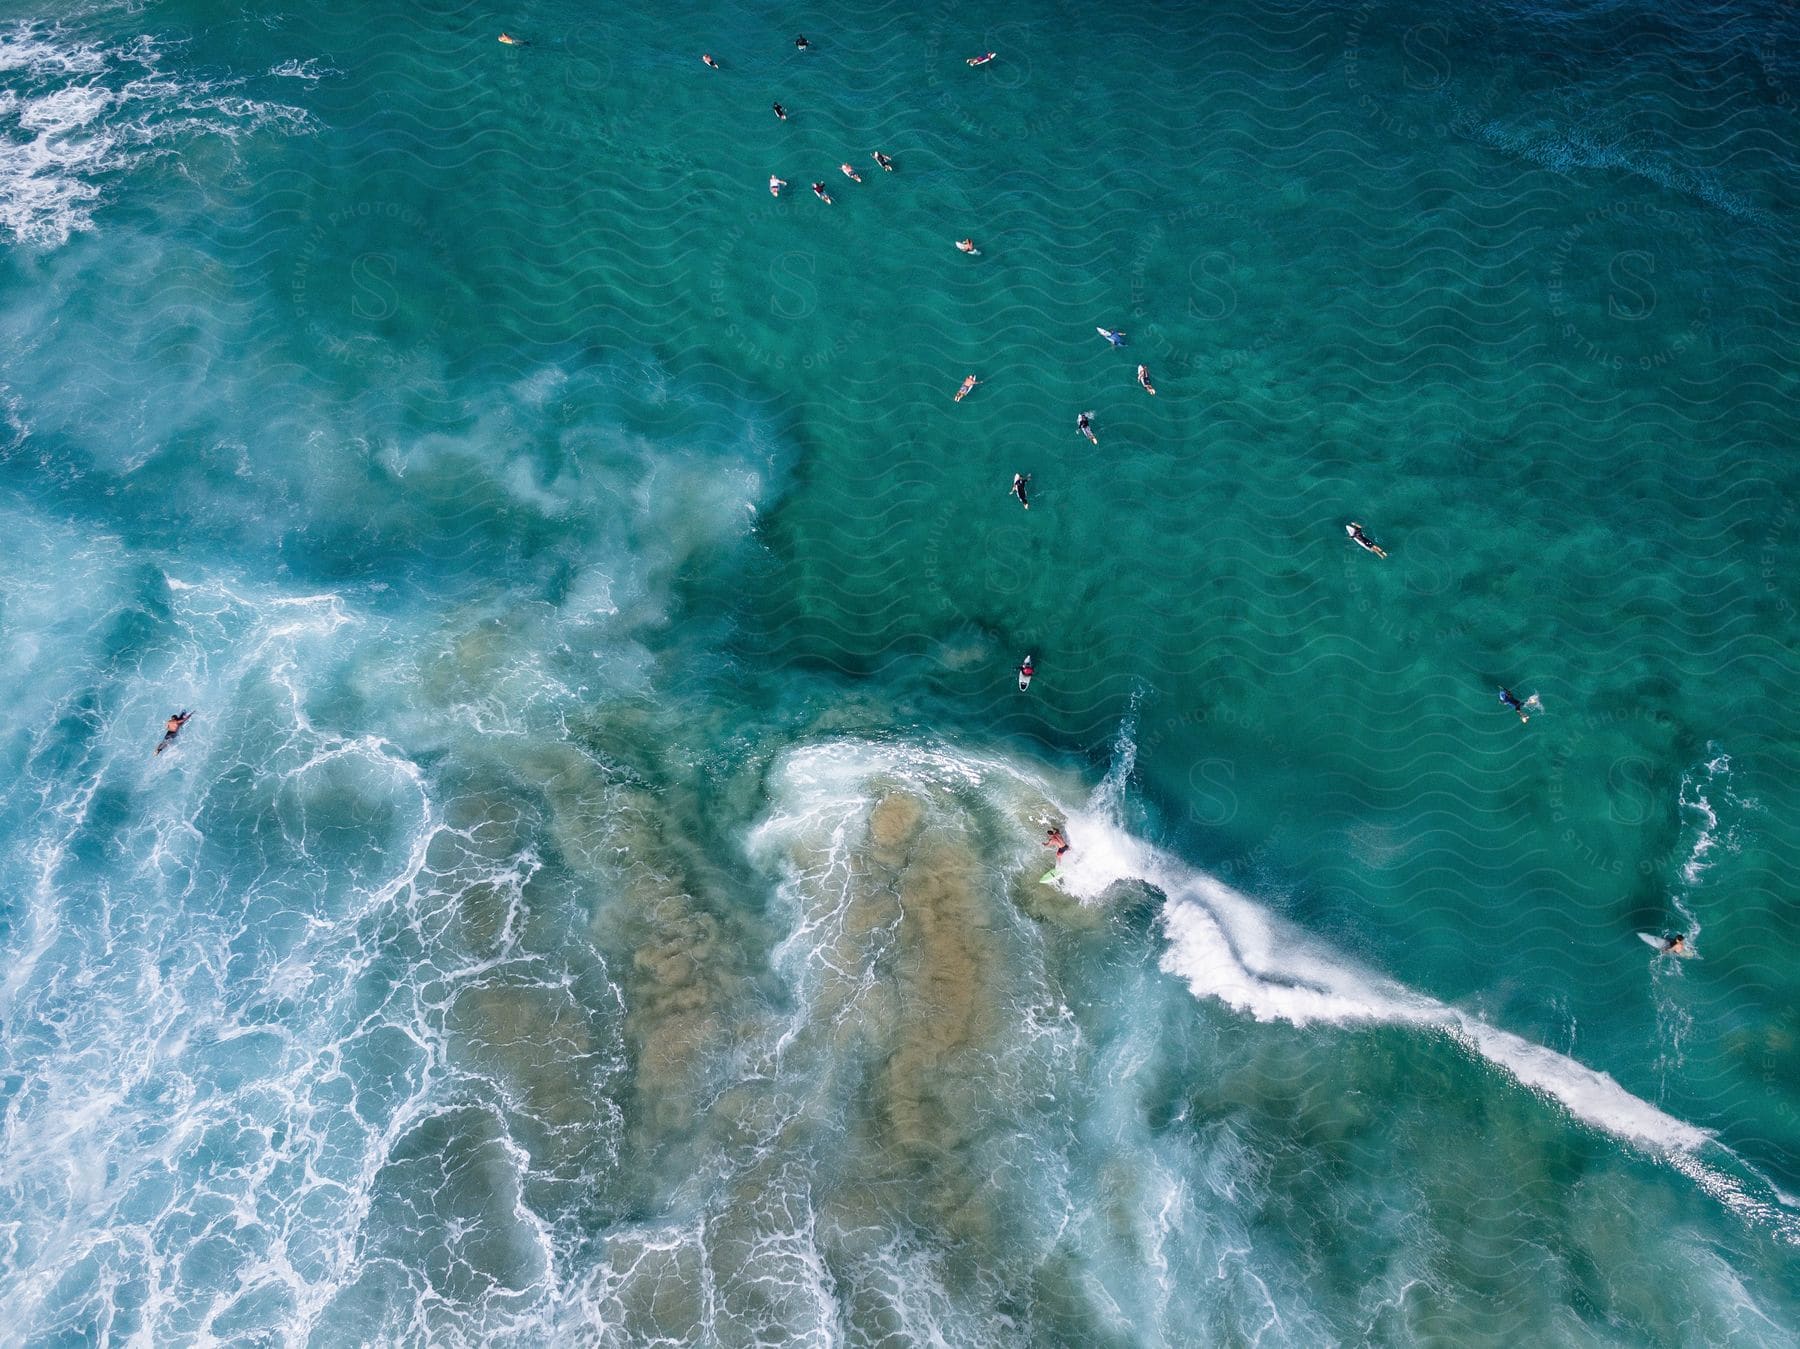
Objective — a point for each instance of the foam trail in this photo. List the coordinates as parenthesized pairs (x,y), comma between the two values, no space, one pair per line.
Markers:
(1225,946)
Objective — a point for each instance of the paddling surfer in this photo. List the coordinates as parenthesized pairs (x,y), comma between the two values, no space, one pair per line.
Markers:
(1511,699)
(1362,540)
(172,728)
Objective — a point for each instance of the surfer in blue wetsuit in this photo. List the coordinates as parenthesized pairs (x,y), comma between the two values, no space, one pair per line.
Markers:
(1113,336)
(1511,699)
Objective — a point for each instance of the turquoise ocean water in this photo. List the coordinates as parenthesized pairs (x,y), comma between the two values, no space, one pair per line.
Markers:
(595,900)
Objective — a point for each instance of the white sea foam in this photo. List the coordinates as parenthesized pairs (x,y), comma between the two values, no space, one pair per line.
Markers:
(1698,786)
(75,114)
(1226,947)
(309,70)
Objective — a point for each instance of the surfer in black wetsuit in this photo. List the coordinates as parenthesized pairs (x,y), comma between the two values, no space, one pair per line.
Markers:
(1362,540)
(172,728)
(1511,700)
(1020,482)
(1085,424)
(801,44)
(887,165)
(780,111)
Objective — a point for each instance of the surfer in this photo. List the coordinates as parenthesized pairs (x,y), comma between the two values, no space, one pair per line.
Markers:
(820,192)
(1085,424)
(775,185)
(1026,670)
(1144,379)
(1675,944)
(1053,839)
(801,44)
(172,728)
(981,60)
(1511,699)
(967,384)
(1112,335)
(968,246)
(1020,482)
(512,41)
(707,57)
(851,173)
(887,165)
(780,111)
(1362,540)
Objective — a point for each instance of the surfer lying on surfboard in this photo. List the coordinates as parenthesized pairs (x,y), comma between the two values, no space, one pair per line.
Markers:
(1524,709)
(981,60)
(1020,482)
(1362,540)
(1026,670)
(1144,379)
(1112,335)
(967,384)
(967,246)
(1085,424)
(172,728)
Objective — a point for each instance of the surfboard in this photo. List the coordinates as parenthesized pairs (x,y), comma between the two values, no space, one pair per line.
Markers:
(1054,874)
